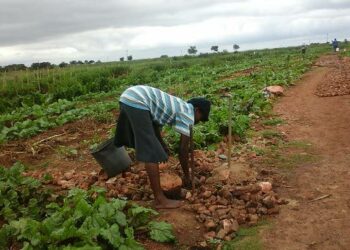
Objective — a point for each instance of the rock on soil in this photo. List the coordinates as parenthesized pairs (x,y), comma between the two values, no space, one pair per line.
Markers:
(171,185)
(169,181)
(232,205)
(274,90)
(224,198)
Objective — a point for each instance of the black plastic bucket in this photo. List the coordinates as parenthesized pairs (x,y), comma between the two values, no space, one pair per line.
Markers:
(112,159)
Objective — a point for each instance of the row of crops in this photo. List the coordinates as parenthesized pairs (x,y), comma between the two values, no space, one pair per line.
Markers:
(34,101)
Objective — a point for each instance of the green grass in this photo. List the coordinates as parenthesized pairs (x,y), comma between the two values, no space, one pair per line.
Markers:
(288,161)
(270,134)
(273,122)
(67,152)
(247,238)
(259,151)
(103,117)
(288,155)
(92,142)
(346,47)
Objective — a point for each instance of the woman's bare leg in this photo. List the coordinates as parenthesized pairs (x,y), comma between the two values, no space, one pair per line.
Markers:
(159,198)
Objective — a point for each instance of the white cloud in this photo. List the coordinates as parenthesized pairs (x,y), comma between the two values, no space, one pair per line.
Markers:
(55,31)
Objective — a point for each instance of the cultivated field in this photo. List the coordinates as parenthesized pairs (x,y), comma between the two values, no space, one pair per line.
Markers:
(54,195)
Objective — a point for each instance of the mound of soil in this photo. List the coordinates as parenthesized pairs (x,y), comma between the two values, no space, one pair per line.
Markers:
(235,174)
(336,82)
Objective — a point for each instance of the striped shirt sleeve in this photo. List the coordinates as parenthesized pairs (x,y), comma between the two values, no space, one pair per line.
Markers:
(183,122)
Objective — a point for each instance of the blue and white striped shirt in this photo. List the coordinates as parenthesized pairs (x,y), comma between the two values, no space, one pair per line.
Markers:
(164,108)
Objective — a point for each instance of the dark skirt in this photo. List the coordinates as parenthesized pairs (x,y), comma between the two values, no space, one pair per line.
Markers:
(135,129)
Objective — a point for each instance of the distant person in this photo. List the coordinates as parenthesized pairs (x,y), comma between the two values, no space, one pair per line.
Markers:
(335,45)
(303,49)
(143,112)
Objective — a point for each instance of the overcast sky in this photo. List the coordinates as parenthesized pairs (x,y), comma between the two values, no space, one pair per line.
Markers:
(65,30)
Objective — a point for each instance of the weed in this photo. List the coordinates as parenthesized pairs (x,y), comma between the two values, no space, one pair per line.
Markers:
(247,238)
(270,134)
(273,122)
(288,155)
(67,152)
(103,117)
(258,151)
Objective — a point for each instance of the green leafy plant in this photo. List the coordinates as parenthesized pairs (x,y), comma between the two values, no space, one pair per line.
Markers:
(68,152)
(21,196)
(69,94)
(160,231)
(44,118)
(80,220)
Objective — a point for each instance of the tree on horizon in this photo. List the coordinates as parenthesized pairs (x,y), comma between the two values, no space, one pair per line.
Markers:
(215,48)
(192,50)
(236,47)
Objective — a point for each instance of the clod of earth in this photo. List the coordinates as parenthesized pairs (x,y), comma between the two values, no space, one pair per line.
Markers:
(210,235)
(236,173)
(206,194)
(171,185)
(274,90)
(265,186)
(223,157)
(210,224)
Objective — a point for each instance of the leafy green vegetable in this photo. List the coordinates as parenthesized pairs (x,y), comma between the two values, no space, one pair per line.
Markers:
(45,117)
(78,93)
(82,218)
(20,195)
(161,231)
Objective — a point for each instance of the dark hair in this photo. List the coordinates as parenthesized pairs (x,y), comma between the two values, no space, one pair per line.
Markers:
(203,105)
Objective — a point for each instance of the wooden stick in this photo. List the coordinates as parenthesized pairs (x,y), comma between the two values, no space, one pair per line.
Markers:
(321,197)
(229,118)
(229,130)
(46,139)
(192,158)
(13,152)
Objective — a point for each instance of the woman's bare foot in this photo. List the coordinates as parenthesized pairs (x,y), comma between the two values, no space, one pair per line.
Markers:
(165,203)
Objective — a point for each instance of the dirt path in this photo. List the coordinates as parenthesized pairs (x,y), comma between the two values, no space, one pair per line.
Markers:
(325,122)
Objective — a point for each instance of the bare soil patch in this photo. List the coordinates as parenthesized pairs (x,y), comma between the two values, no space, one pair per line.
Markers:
(56,147)
(318,214)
